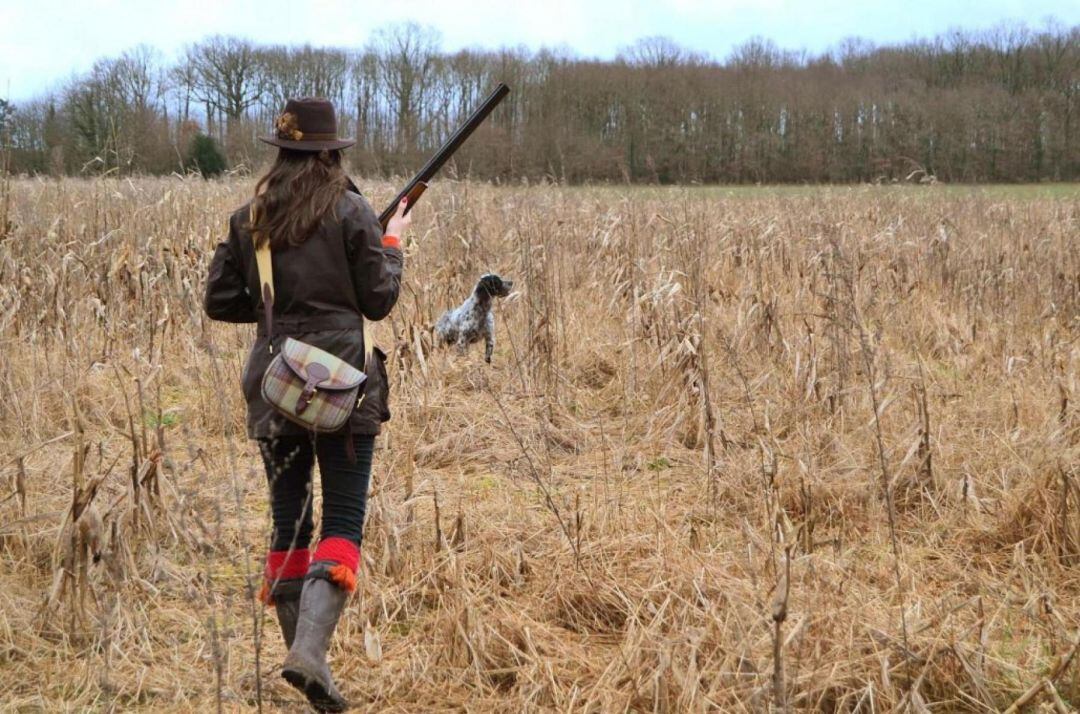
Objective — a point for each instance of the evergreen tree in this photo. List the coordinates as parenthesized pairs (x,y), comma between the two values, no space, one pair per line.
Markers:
(205,157)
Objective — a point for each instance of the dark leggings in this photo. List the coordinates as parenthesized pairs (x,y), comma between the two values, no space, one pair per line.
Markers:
(289,461)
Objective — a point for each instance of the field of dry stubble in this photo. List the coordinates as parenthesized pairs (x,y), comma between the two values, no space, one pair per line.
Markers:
(808,449)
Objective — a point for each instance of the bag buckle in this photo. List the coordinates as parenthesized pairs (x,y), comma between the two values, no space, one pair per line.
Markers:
(316,374)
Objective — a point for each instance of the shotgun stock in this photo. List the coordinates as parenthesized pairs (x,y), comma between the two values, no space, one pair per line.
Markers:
(419,183)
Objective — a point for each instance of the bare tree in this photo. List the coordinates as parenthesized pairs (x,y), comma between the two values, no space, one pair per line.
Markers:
(231,80)
(658,51)
(306,72)
(405,54)
(364,76)
(183,85)
(7,109)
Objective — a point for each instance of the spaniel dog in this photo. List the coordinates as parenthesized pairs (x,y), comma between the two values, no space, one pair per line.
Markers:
(467,323)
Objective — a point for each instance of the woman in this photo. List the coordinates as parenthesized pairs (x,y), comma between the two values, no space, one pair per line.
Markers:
(333,267)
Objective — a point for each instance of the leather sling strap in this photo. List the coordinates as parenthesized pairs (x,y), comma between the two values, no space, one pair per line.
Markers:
(265,266)
(266,278)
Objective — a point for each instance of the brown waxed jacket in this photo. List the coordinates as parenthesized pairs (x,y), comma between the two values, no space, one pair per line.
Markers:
(323,290)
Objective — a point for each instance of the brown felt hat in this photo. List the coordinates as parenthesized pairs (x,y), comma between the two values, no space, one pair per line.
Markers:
(307,124)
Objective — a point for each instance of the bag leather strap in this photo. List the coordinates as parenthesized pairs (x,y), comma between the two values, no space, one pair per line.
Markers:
(265,266)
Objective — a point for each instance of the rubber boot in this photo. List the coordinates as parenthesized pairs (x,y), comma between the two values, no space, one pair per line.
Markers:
(285,596)
(305,667)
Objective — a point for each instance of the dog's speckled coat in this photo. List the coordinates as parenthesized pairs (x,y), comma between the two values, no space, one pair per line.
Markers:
(472,320)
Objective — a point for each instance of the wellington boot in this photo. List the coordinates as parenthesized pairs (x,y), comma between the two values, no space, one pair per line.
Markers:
(305,667)
(286,599)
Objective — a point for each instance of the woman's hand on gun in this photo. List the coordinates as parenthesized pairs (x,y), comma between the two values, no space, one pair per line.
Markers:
(400,221)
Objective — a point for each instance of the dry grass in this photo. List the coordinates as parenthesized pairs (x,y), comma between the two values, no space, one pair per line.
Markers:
(681,410)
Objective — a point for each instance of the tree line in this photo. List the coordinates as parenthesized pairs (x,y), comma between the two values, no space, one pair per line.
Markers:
(995,105)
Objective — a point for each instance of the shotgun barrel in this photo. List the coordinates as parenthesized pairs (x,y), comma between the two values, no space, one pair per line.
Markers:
(419,183)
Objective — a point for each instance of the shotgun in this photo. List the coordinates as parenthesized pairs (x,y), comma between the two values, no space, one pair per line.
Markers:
(419,183)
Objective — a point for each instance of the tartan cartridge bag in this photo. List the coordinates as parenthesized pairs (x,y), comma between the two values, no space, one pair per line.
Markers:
(311,387)
(305,384)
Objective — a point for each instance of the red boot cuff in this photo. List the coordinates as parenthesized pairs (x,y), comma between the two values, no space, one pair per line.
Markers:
(343,557)
(340,551)
(287,564)
(283,565)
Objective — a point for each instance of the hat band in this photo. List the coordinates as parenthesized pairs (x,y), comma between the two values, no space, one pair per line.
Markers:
(310,136)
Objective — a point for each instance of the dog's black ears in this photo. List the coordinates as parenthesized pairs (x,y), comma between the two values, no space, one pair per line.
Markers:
(490,283)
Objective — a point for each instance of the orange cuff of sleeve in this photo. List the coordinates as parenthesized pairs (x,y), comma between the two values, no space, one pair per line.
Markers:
(391,242)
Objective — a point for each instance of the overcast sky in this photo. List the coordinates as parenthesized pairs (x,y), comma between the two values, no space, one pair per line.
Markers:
(44,42)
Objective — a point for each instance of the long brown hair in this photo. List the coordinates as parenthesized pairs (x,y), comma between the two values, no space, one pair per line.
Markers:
(296,193)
